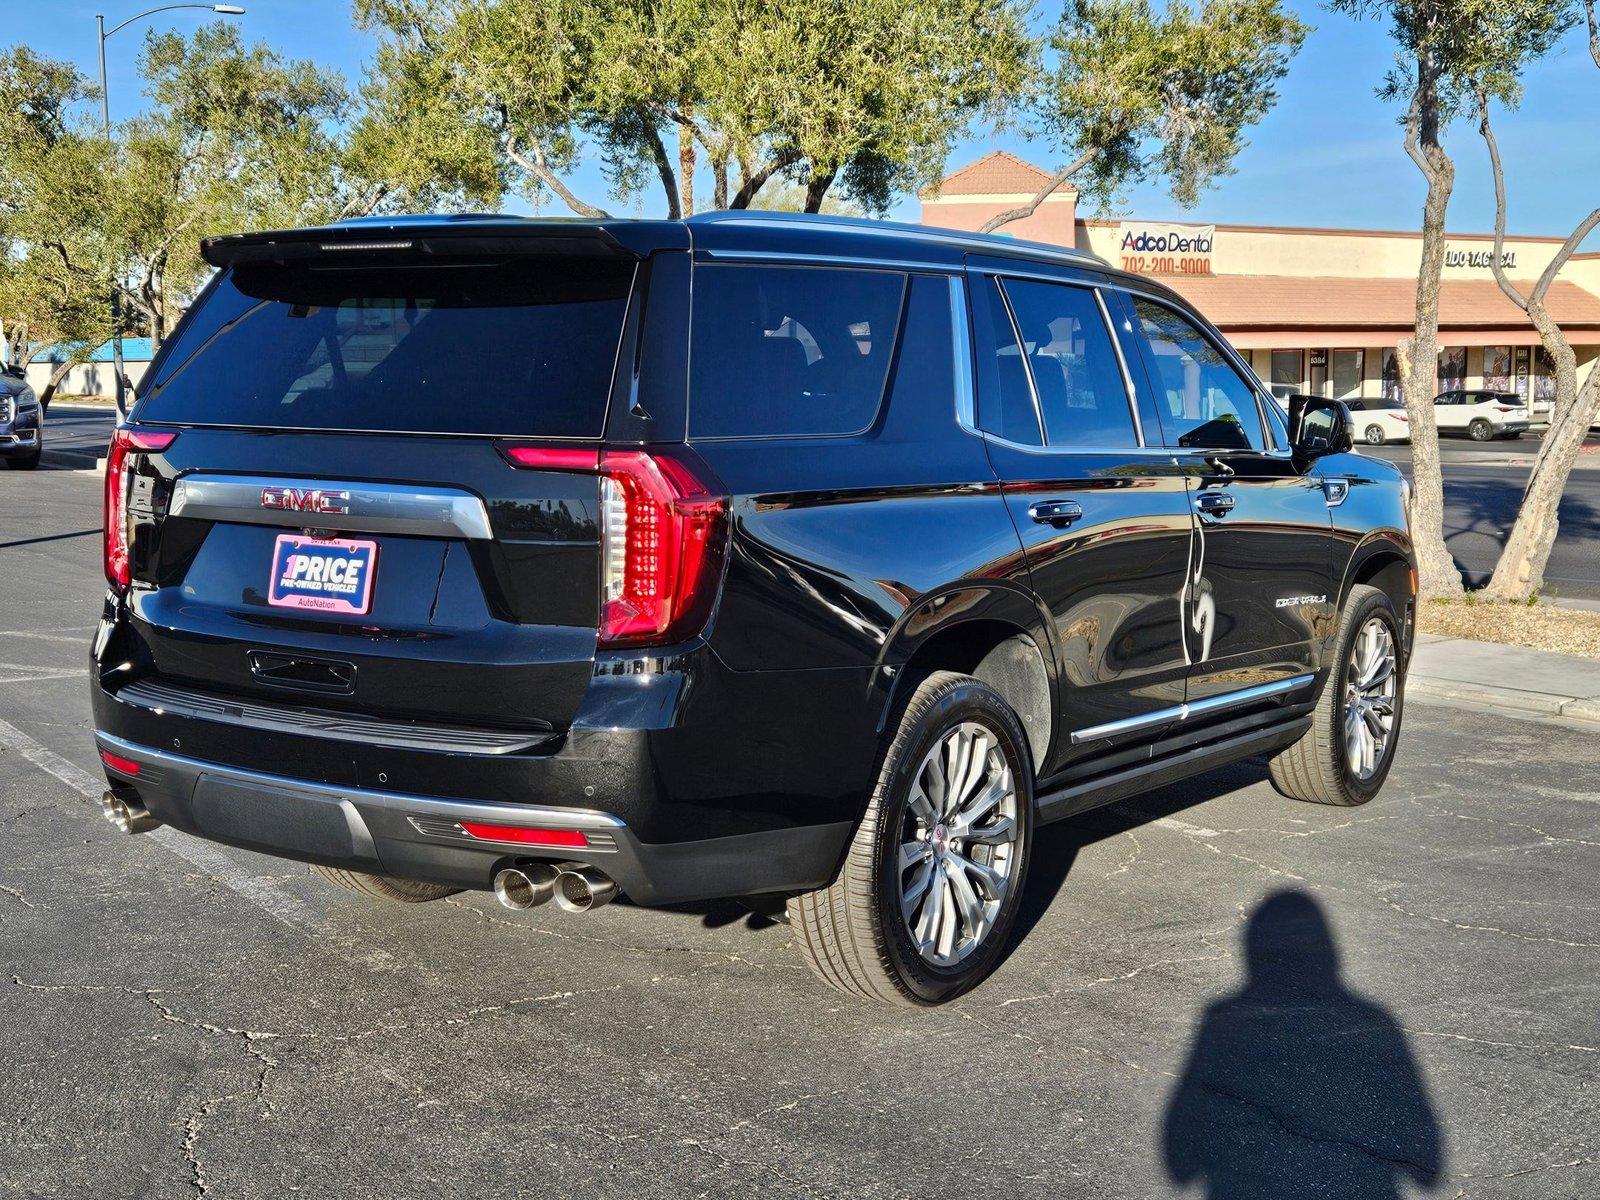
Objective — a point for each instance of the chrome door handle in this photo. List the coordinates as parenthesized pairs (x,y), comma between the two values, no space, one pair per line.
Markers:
(1215,505)
(1059,513)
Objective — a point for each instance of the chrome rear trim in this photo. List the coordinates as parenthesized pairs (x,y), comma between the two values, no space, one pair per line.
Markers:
(369,507)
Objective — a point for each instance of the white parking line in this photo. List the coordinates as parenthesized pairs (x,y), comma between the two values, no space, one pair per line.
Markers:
(263,893)
(79,639)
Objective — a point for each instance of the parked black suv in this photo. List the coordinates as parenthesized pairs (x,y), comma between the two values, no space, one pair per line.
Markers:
(748,554)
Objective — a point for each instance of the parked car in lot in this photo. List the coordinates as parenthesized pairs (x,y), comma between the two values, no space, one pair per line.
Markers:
(21,421)
(1481,416)
(752,554)
(1377,421)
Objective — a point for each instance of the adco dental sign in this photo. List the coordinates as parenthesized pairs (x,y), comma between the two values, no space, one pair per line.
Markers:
(1159,248)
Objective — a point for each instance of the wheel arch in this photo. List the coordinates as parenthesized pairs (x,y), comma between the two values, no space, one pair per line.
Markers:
(1384,560)
(996,634)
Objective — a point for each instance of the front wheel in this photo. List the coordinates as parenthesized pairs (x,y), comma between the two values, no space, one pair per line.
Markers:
(1480,430)
(1346,754)
(921,908)
(1374,435)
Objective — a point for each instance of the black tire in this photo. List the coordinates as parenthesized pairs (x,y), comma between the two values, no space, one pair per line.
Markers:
(852,933)
(1316,768)
(1374,435)
(1513,436)
(386,887)
(1480,430)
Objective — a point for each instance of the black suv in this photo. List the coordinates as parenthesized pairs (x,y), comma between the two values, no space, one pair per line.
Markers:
(744,555)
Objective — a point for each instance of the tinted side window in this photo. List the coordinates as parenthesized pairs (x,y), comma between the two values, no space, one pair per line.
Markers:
(1206,404)
(1082,397)
(1005,397)
(786,351)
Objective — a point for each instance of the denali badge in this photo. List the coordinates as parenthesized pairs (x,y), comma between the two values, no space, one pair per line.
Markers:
(1298,601)
(313,500)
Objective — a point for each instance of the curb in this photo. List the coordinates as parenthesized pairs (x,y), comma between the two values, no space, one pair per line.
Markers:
(1539,704)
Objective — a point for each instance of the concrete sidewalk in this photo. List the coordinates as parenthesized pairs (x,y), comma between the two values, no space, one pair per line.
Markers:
(1505,677)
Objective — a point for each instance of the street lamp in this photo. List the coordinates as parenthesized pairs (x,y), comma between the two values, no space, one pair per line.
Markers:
(226,10)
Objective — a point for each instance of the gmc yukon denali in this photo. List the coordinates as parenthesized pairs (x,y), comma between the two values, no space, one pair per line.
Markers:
(751,555)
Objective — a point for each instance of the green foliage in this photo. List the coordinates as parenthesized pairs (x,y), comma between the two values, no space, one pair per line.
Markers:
(1453,48)
(1139,93)
(870,92)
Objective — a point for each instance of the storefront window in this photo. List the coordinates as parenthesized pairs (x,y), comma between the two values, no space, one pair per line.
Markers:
(1348,368)
(1497,368)
(1544,378)
(1391,374)
(1286,369)
(1452,368)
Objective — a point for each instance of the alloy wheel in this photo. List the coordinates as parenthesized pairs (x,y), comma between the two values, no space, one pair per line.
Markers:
(1369,707)
(958,849)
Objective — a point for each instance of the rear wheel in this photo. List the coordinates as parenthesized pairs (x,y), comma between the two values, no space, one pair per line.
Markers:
(1480,430)
(386,887)
(920,911)
(1374,435)
(1346,754)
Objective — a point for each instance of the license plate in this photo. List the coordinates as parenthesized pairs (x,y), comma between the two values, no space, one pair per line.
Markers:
(332,575)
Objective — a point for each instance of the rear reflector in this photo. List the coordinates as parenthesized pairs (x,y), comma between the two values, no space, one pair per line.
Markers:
(524,835)
(123,766)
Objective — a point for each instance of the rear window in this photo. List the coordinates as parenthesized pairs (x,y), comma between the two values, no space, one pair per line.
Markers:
(790,351)
(523,348)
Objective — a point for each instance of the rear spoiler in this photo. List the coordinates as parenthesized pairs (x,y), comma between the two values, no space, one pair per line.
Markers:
(457,237)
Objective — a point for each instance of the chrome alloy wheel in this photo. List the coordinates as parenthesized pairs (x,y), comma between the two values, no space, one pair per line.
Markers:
(1369,707)
(958,845)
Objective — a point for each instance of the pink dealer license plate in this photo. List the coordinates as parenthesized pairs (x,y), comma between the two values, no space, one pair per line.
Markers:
(332,575)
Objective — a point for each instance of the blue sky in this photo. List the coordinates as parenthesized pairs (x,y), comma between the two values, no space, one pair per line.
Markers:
(1328,154)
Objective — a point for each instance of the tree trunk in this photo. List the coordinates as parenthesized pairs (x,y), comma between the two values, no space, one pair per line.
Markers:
(686,154)
(719,175)
(54,382)
(1436,569)
(817,189)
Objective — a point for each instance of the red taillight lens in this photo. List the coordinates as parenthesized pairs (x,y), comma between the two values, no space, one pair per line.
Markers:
(661,541)
(125,440)
(662,532)
(124,766)
(525,835)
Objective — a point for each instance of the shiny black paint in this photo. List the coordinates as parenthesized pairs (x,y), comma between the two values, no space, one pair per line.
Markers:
(849,560)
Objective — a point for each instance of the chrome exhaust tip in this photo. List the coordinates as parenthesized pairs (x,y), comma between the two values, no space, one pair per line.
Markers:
(519,888)
(128,816)
(579,889)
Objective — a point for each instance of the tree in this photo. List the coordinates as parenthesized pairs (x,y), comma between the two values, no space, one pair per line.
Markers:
(1449,50)
(1519,573)
(1135,93)
(869,94)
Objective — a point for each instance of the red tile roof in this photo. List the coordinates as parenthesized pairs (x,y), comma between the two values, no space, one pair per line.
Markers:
(1277,301)
(998,172)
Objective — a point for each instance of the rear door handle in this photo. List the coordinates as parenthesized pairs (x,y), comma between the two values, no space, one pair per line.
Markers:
(1214,504)
(1059,513)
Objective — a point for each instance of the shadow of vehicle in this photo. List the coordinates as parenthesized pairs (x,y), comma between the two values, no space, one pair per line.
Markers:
(1296,1086)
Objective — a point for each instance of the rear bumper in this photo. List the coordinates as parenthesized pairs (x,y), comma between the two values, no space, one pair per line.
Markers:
(421,837)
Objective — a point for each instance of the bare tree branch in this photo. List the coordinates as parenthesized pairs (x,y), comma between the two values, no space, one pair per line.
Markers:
(1594,31)
(537,167)
(1055,181)
(669,180)
(1497,258)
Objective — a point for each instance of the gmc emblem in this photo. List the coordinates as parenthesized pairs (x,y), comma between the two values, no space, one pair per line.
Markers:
(313,500)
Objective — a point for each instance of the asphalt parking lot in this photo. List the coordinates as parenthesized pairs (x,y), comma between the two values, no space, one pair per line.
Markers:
(1214,991)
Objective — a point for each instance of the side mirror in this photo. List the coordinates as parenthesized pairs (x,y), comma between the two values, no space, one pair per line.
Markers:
(1319,427)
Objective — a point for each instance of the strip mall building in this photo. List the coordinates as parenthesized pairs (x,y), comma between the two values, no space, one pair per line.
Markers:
(1315,310)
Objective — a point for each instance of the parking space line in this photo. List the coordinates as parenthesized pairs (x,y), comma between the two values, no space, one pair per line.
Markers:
(263,893)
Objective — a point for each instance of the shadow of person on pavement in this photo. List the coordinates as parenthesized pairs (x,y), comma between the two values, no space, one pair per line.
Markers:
(1296,1086)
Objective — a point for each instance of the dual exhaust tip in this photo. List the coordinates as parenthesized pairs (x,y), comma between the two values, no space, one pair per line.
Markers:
(127,815)
(575,888)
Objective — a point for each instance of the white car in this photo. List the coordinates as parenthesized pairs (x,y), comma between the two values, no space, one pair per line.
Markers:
(1376,421)
(1480,415)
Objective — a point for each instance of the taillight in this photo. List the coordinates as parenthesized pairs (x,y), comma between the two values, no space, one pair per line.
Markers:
(125,440)
(123,766)
(662,532)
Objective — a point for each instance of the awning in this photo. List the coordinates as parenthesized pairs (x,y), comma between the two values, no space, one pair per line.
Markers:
(1262,310)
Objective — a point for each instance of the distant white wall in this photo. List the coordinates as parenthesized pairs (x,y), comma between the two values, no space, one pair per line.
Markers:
(84,379)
